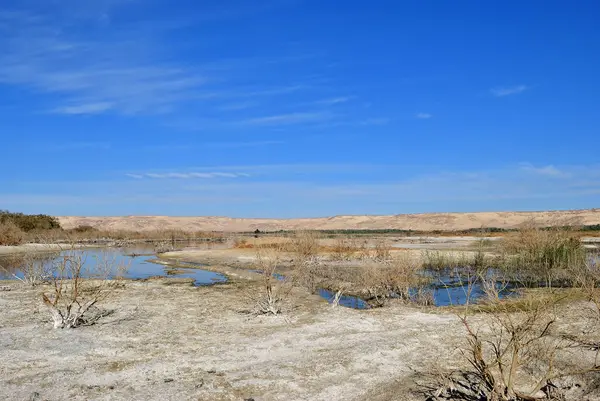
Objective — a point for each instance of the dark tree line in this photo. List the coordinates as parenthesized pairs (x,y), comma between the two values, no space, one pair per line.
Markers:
(29,222)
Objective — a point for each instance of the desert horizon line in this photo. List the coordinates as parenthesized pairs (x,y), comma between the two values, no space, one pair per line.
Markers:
(337,215)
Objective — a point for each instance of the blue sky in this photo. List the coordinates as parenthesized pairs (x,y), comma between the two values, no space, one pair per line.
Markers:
(298,108)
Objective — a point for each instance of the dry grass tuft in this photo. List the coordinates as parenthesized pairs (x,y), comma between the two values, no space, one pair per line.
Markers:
(546,255)
(344,249)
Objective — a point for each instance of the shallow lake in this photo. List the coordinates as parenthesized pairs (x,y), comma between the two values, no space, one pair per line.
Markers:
(137,267)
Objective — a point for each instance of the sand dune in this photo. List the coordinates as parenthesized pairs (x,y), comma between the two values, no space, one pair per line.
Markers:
(425,221)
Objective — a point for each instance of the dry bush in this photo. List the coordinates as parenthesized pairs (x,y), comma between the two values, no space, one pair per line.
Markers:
(362,250)
(31,269)
(239,242)
(308,273)
(444,260)
(513,348)
(273,291)
(398,278)
(587,279)
(511,354)
(305,244)
(45,236)
(10,233)
(76,288)
(307,267)
(382,250)
(379,252)
(344,249)
(375,281)
(543,255)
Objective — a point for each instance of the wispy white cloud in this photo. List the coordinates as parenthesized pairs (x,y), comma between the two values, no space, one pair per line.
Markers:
(508,90)
(180,147)
(92,63)
(72,146)
(424,116)
(363,189)
(237,106)
(117,70)
(288,119)
(187,175)
(375,121)
(549,170)
(93,66)
(89,108)
(249,144)
(335,100)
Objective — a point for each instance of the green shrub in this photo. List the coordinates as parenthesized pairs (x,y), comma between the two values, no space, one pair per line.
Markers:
(29,222)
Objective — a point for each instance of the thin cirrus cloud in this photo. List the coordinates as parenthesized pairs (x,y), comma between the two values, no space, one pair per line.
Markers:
(375,121)
(424,116)
(207,175)
(95,66)
(89,108)
(335,100)
(117,71)
(116,68)
(508,183)
(288,119)
(508,90)
(548,171)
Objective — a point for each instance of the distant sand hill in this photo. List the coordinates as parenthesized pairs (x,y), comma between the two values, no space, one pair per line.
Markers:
(423,222)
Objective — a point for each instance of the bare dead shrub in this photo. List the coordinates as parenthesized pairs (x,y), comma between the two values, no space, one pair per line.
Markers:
(305,244)
(512,348)
(273,290)
(307,265)
(308,273)
(31,269)
(343,249)
(239,242)
(587,278)
(382,250)
(397,279)
(76,288)
(364,252)
(335,302)
(379,250)
(10,233)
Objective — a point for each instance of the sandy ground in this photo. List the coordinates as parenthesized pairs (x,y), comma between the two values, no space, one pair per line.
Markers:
(178,342)
(425,222)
